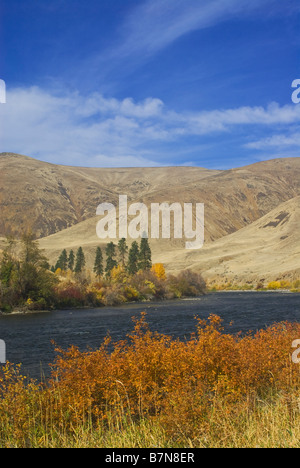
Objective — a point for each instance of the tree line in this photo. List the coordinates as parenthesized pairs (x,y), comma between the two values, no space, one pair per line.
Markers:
(122,274)
(133,259)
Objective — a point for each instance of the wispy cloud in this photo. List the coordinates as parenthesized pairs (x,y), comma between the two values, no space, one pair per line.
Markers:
(95,130)
(221,120)
(156,24)
(277,141)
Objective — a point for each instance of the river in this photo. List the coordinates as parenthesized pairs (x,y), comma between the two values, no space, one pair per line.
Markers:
(28,337)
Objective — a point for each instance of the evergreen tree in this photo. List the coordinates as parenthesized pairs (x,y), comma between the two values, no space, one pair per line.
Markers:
(98,266)
(133,257)
(71,261)
(8,262)
(62,261)
(123,249)
(80,261)
(34,280)
(25,276)
(30,250)
(110,252)
(145,262)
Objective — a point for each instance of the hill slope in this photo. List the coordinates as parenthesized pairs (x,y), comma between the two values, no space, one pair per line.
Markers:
(251,213)
(267,250)
(48,198)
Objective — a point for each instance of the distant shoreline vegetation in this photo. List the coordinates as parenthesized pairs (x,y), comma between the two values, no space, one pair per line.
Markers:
(28,282)
(120,275)
(278,285)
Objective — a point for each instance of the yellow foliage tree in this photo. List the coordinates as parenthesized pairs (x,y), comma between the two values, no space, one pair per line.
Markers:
(274,285)
(159,270)
(118,274)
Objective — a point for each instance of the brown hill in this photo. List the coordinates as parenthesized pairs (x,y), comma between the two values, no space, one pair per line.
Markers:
(234,199)
(266,250)
(251,213)
(49,198)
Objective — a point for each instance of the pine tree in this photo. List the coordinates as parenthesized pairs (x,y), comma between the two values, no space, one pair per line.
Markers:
(133,257)
(62,261)
(98,266)
(145,262)
(110,252)
(71,261)
(80,261)
(123,249)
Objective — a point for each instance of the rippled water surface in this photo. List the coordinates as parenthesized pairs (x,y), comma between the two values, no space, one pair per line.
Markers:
(28,337)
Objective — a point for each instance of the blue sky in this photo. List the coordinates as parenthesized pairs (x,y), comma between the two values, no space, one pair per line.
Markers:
(112,83)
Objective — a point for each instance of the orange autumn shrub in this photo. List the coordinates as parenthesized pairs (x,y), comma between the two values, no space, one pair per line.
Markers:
(154,375)
(19,399)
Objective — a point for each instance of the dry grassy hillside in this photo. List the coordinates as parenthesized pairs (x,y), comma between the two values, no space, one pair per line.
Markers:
(266,250)
(234,199)
(252,214)
(47,198)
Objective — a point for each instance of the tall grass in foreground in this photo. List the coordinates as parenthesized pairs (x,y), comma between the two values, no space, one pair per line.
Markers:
(213,390)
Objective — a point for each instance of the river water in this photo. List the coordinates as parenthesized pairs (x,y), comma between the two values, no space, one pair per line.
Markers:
(28,337)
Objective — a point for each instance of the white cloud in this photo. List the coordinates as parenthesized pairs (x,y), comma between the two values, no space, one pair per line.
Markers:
(222,119)
(78,130)
(155,24)
(276,141)
(97,104)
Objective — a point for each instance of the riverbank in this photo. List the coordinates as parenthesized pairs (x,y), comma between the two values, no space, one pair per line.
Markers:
(279,291)
(29,337)
(148,302)
(278,285)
